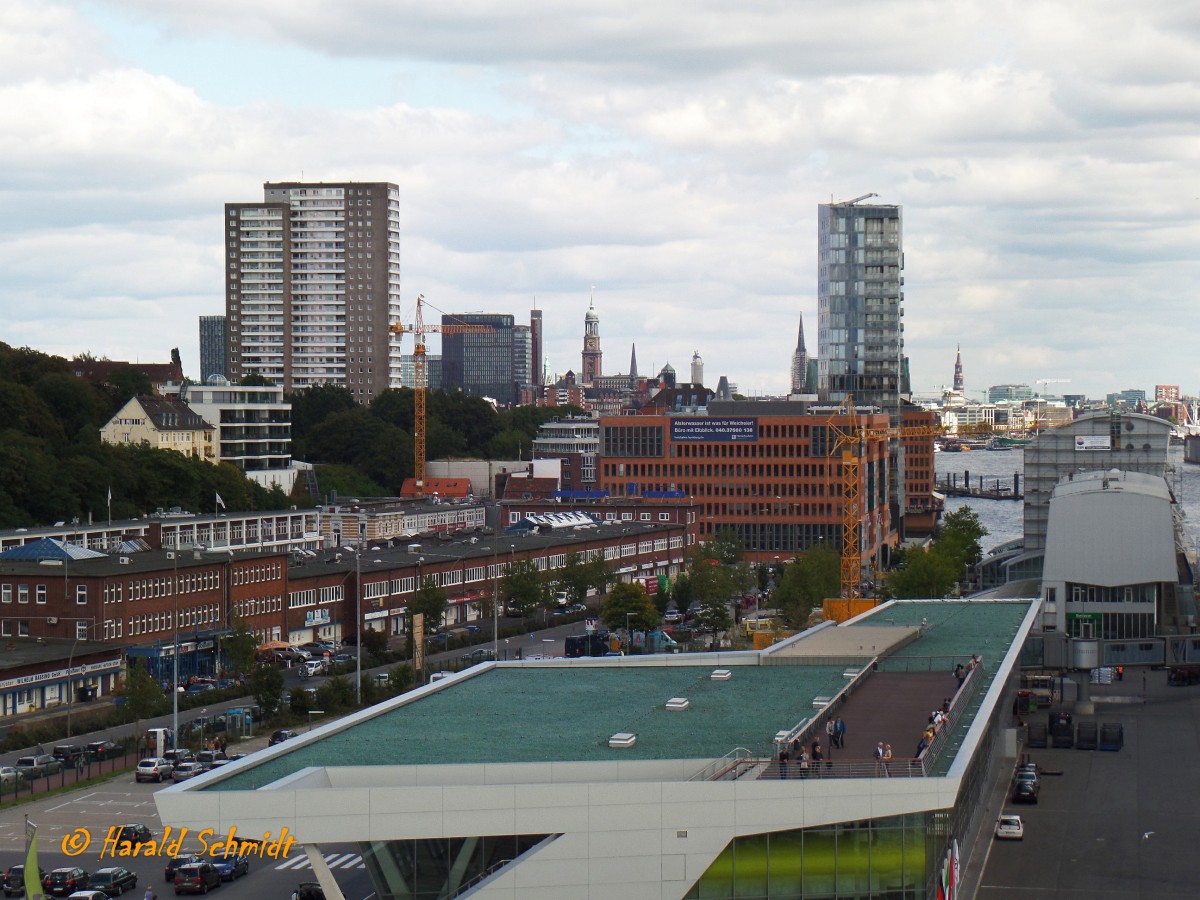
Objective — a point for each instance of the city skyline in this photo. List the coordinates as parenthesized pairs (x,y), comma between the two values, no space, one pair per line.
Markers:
(675,161)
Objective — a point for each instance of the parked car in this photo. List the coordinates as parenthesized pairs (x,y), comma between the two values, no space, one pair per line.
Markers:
(200,687)
(343,658)
(229,757)
(38,766)
(189,769)
(67,754)
(1026,792)
(99,750)
(153,769)
(196,878)
(278,737)
(309,890)
(113,880)
(208,757)
(314,666)
(671,616)
(88,895)
(175,757)
(134,833)
(177,862)
(479,654)
(1010,828)
(65,881)
(231,867)
(9,775)
(14,880)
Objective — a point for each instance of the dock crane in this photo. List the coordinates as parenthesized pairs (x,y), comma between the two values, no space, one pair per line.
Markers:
(419,329)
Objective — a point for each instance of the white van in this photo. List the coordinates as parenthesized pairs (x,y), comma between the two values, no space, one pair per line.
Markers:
(561,598)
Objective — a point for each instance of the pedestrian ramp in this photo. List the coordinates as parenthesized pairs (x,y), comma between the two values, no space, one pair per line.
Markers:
(299,862)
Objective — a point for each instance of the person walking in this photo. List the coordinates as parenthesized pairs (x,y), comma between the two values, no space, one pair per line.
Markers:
(839,733)
(150,895)
(816,755)
(831,732)
(887,758)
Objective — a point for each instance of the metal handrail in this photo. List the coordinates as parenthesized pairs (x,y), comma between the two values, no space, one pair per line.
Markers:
(719,768)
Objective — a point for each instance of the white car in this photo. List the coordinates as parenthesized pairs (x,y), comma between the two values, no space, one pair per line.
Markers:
(1010,828)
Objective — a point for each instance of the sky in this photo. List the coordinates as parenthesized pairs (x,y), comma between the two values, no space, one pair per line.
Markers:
(663,159)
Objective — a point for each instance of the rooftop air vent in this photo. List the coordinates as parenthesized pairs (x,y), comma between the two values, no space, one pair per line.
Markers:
(125,560)
(821,702)
(721,675)
(678,703)
(622,740)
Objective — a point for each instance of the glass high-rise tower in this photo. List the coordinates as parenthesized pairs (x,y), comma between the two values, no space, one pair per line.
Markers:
(860,332)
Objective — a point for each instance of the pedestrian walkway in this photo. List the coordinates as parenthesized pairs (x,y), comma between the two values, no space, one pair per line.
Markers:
(333,860)
(892,707)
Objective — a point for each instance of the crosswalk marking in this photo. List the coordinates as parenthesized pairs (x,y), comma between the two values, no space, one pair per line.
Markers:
(333,860)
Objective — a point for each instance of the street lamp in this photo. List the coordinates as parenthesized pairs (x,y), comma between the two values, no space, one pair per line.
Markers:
(175,648)
(358,625)
(495,606)
(314,712)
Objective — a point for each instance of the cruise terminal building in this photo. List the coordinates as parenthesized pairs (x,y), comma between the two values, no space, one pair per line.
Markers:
(660,776)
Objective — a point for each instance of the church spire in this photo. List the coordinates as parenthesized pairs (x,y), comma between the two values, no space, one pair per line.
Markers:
(958,372)
(800,363)
(633,364)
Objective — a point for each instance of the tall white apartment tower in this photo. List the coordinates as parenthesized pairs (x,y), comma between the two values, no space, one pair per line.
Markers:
(312,283)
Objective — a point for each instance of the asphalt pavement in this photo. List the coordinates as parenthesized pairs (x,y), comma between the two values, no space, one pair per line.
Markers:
(1109,825)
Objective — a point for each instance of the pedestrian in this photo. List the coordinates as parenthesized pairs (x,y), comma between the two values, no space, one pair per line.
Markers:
(839,733)
(878,754)
(831,732)
(150,895)
(887,758)
(816,755)
(803,762)
(784,759)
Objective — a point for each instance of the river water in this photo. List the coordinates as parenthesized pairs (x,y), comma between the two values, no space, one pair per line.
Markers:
(1004,518)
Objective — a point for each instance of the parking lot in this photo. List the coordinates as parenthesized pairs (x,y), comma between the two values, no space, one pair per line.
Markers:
(1112,824)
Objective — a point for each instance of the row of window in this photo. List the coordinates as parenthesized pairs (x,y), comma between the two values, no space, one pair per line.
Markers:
(257,606)
(260,572)
(41,593)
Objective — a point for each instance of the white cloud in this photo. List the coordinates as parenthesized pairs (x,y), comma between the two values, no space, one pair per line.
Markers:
(672,154)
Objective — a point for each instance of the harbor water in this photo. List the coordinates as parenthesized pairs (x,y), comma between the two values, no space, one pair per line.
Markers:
(1004,519)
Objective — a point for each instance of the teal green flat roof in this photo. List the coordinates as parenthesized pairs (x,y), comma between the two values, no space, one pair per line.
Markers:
(568,713)
(954,628)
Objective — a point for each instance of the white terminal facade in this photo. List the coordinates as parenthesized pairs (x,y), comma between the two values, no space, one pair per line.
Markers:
(656,776)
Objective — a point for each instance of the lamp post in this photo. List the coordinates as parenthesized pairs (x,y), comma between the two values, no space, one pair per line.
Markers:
(314,712)
(358,625)
(629,630)
(495,606)
(175,647)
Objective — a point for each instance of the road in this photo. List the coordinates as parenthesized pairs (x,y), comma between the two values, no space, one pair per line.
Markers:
(65,818)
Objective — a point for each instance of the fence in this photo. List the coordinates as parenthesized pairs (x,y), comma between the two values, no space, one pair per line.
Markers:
(70,775)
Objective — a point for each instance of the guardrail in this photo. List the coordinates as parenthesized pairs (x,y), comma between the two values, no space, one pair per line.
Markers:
(739,762)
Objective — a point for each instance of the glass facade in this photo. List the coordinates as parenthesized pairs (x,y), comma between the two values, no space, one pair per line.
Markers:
(881,858)
(480,365)
(431,868)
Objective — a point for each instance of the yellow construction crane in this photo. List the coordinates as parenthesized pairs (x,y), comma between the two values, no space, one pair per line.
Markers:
(421,382)
(852,439)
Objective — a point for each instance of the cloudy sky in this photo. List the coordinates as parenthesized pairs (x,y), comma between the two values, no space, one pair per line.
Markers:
(671,154)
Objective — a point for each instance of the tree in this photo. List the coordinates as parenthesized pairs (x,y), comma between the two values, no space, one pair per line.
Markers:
(401,678)
(726,547)
(336,694)
(240,646)
(144,697)
(713,617)
(374,642)
(959,535)
(266,686)
(925,575)
(574,577)
(431,602)
(629,604)
(522,588)
(807,582)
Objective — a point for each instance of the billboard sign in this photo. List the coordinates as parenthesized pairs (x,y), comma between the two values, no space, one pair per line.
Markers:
(713,429)
(1093,442)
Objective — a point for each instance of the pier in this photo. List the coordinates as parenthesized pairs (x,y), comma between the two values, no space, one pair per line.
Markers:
(986,488)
